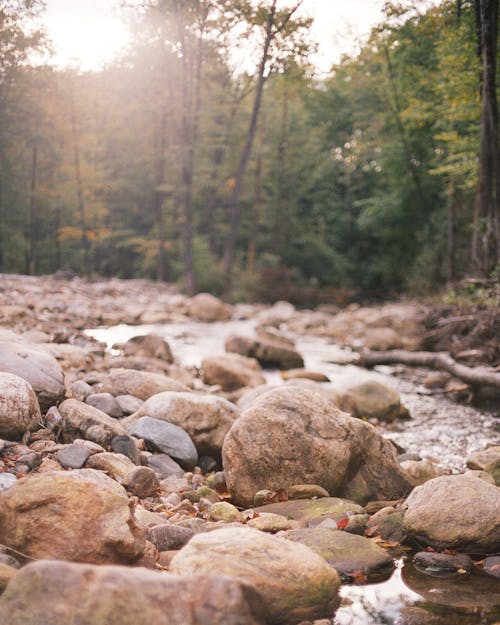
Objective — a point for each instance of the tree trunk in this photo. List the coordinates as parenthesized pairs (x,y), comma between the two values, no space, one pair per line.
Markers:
(159,197)
(257,200)
(32,216)
(475,377)
(234,204)
(84,239)
(281,210)
(486,236)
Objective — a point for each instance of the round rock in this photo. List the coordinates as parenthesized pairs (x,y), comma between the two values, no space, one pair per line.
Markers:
(19,409)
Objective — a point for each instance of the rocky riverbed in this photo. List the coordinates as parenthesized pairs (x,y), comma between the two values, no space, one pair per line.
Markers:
(179,460)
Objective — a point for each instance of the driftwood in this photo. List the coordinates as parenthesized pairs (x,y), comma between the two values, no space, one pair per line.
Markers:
(474,376)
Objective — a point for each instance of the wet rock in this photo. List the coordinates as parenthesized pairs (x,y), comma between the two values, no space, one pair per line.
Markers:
(165,466)
(206,307)
(295,583)
(352,556)
(116,466)
(442,564)
(312,512)
(271,353)
(129,404)
(479,459)
(292,435)
(141,482)
(72,456)
(372,400)
(37,367)
(420,471)
(206,418)
(83,421)
(19,409)
(476,594)
(125,445)
(167,537)
(149,346)
(60,593)
(232,371)
(141,384)
(168,438)
(105,402)
(455,512)
(388,524)
(491,566)
(90,511)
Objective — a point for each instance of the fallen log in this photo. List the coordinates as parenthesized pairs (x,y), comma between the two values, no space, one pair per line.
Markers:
(474,376)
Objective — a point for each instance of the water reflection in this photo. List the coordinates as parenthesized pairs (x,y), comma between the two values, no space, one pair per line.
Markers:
(412,598)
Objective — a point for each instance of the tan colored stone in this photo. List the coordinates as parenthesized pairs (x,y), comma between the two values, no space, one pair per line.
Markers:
(84,421)
(294,582)
(232,371)
(64,593)
(19,409)
(141,384)
(292,435)
(81,515)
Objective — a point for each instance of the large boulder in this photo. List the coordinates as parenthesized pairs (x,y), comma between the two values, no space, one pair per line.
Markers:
(19,409)
(141,384)
(206,418)
(167,438)
(80,420)
(295,436)
(459,512)
(206,307)
(295,583)
(232,371)
(81,515)
(272,352)
(37,367)
(65,593)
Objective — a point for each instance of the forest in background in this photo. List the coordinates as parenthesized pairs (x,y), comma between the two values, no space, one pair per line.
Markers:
(381,178)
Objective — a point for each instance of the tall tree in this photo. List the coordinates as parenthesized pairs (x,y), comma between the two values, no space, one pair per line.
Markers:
(486,237)
(277,27)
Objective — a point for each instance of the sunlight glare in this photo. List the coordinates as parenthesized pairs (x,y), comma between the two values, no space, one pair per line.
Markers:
(87,39)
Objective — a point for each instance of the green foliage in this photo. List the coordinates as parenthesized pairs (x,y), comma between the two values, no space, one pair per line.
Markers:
(362,183)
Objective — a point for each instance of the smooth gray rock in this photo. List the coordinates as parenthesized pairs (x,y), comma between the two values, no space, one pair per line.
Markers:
(37,367)
(73,456)
(168,438)
(165,466)
(124,444)
(106,403)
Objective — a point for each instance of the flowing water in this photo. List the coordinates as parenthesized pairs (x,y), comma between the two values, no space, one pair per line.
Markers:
(439,428)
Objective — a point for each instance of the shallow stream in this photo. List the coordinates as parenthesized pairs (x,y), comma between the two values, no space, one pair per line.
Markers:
(439,429)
